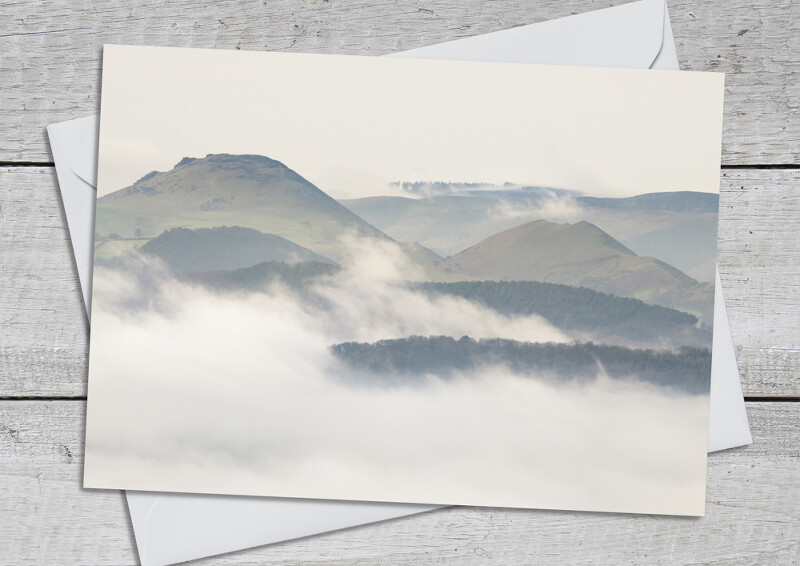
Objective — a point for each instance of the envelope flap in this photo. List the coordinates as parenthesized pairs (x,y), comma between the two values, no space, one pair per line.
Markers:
(623,36)
(176,527)
(78,144)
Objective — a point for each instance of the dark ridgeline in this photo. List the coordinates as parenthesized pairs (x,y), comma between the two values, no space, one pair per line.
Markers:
(595,314)
(410,360)
(258,277)
(224,248)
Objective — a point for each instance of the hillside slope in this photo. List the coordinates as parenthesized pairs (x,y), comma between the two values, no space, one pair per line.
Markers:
(251,191)
(579,255)
(678,227)
(224,248)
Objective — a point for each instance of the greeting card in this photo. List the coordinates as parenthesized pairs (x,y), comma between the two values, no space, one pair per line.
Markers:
(403,280)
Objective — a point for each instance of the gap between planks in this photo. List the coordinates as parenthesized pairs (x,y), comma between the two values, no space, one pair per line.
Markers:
(743,166)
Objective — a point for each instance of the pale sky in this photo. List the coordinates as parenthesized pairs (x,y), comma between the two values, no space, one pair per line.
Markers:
(351,125)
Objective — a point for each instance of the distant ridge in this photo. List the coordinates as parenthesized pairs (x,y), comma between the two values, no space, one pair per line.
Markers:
(679,228)
(224,248)
(674,201)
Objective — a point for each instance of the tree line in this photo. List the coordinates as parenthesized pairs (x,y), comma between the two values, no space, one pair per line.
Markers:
(410,360)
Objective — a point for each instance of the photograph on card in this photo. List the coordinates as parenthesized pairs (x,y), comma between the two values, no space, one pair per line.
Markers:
(388,291)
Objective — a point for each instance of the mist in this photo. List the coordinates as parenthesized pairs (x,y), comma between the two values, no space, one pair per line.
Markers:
(553,208)
(238,393)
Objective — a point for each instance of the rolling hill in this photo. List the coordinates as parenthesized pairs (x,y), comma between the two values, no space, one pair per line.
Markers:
(250,191)
(581,255)
(444,223)
(679,228)
(224,248)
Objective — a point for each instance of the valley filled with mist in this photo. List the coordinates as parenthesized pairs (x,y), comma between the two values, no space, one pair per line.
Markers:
(399,328)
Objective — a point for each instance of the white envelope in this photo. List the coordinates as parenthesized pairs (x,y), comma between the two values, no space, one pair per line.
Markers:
(171,528)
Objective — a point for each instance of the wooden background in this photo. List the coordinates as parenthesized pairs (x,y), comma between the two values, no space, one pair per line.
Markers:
(50,72)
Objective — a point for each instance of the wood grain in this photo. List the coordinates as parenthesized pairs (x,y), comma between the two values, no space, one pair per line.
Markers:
(758,255)
(44,330)
(50,71)
(50,51)
(40,297)
(752,511)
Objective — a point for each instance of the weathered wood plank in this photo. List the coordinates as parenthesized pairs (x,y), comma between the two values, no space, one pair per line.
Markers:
(759,255)
(50,51)
(44,331)
(44,342)
(49,71)
(753,514)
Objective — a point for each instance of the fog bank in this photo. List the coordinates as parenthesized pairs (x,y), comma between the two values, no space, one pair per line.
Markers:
(239,393)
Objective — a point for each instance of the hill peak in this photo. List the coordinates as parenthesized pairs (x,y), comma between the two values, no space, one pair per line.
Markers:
(214,161)
(546,233)
(233,160)
(223,189)
(579,254)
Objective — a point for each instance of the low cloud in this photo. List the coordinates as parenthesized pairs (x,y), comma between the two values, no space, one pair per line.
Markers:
(236,393)
(552,208)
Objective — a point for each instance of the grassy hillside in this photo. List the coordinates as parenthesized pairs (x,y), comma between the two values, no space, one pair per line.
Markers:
(224,248)
(679,228)
(231,190)
(579,255)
